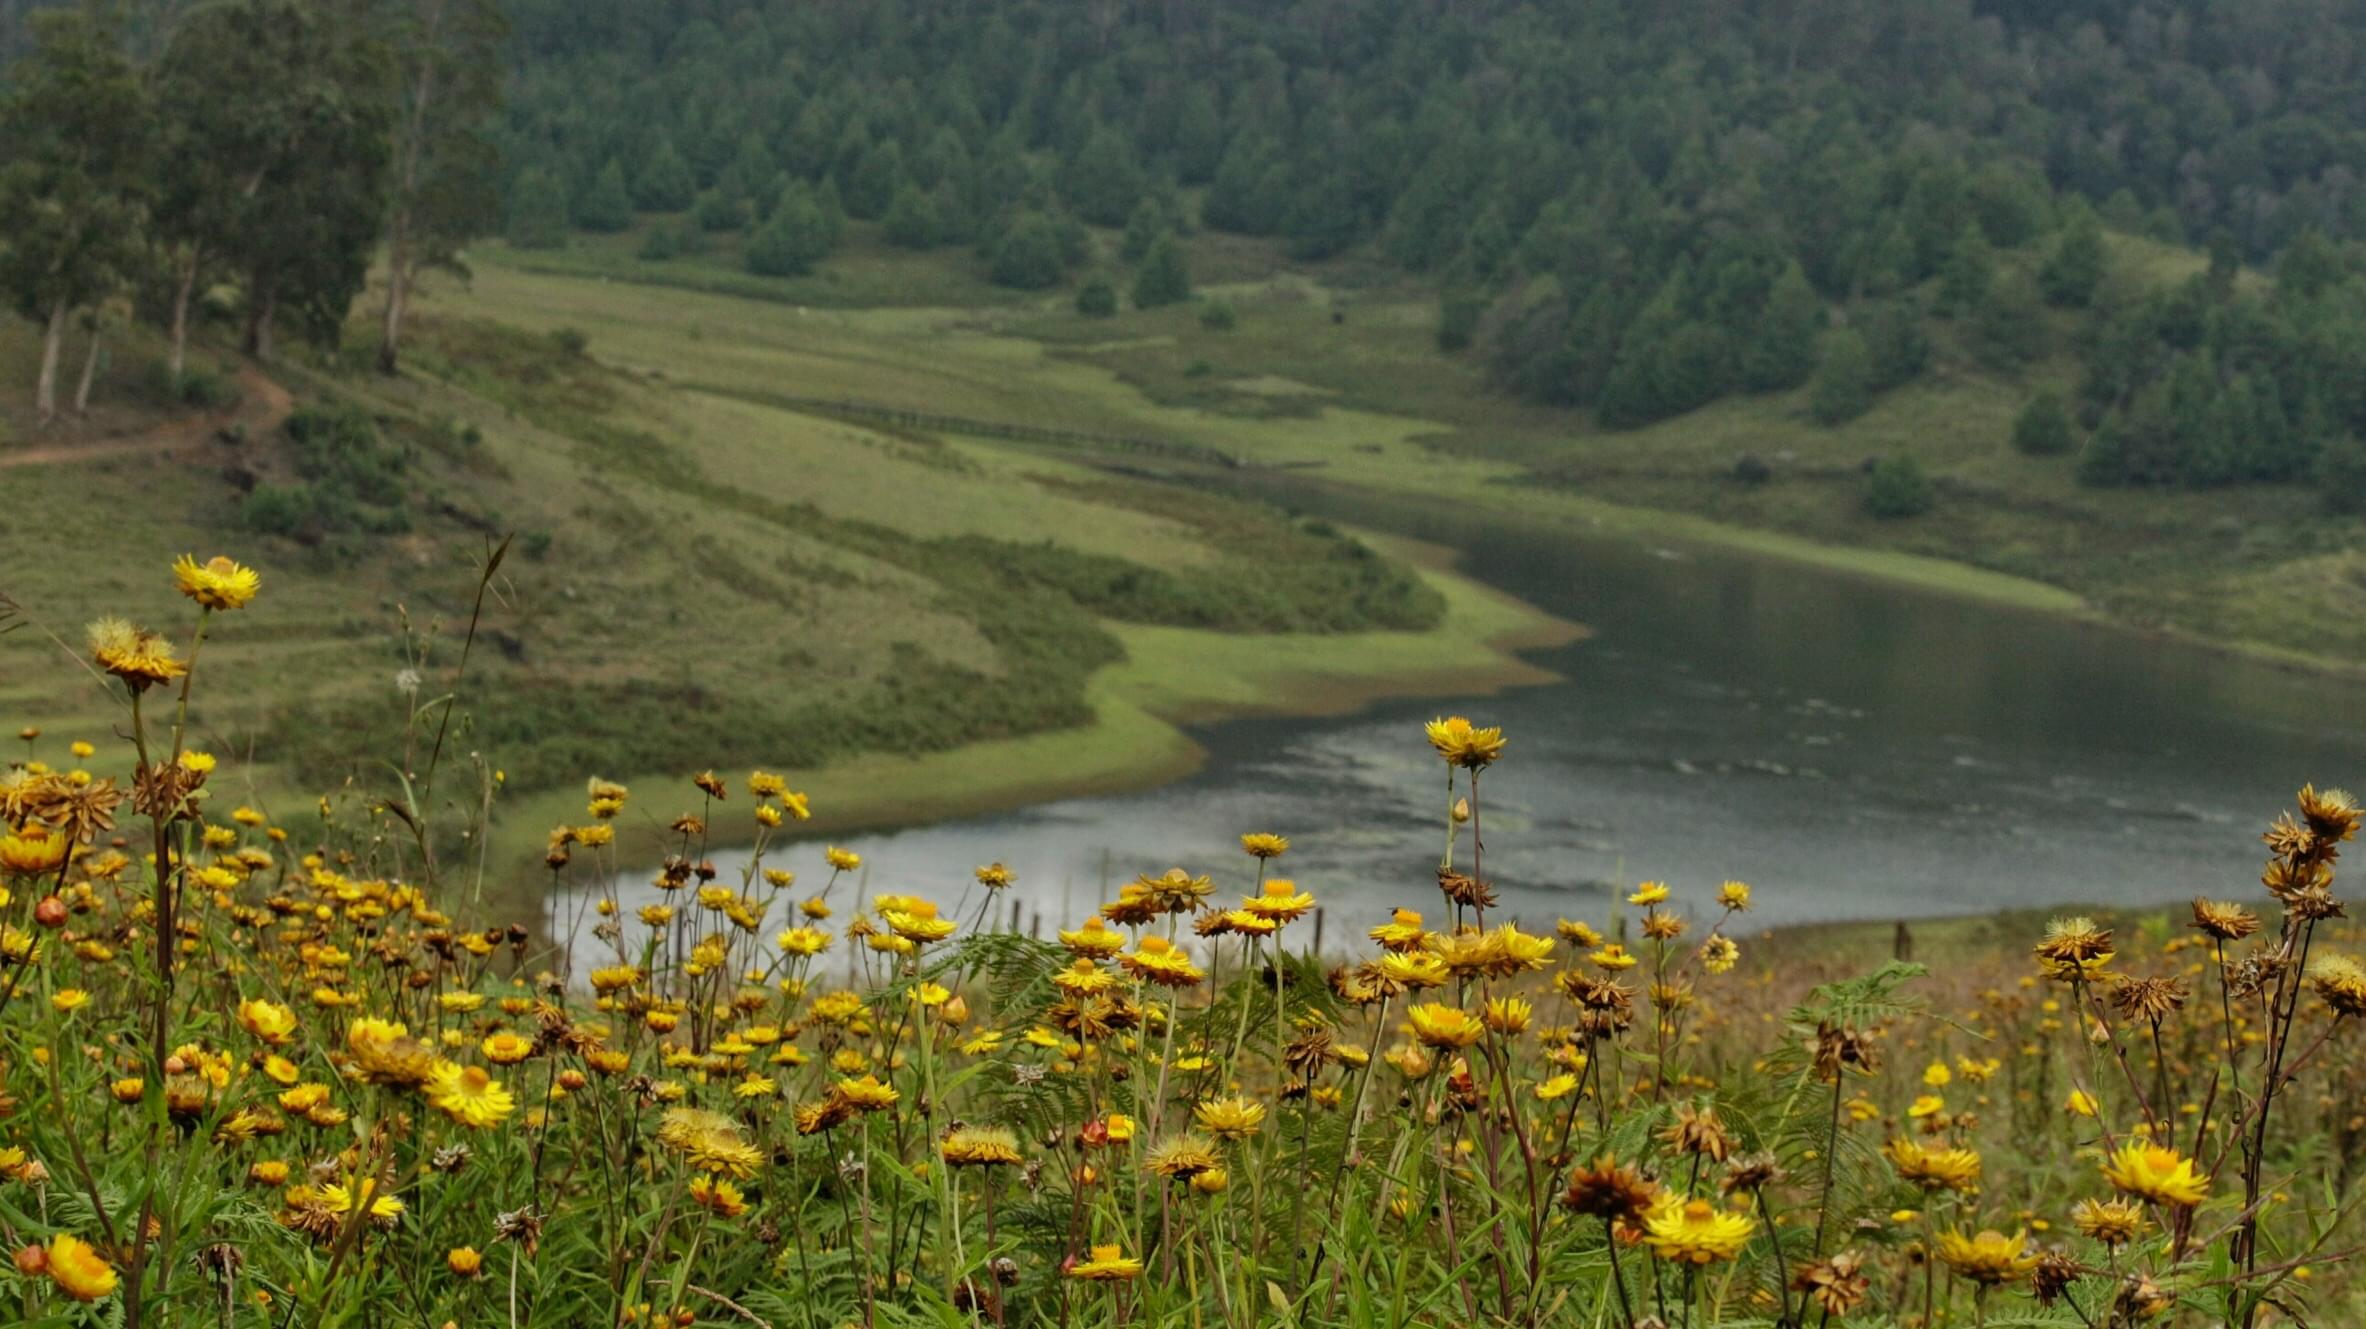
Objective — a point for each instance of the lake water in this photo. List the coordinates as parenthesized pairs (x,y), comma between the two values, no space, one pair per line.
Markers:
(1850,747)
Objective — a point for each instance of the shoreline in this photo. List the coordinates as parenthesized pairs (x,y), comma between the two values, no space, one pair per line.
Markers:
(1138,738)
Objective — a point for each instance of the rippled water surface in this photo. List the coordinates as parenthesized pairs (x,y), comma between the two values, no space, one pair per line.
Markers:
(1851,748)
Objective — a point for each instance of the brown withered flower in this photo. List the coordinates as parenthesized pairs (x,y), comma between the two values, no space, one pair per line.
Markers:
(1838,1049)
(1837,1285)
(2054,1274)
(1465,890)
(2149,999)
(1751,1171)
(1697,1130)
(2224,920)
(1610,1190)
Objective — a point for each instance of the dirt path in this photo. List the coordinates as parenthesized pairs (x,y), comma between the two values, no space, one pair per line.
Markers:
(262,406)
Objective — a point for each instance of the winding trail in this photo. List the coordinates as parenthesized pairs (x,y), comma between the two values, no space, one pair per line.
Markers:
(262,405)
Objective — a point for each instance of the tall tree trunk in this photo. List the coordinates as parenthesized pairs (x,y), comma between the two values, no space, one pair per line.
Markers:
(45,390)
(260,304)
(398,296)
(400,266)
(90,370)
(188,285)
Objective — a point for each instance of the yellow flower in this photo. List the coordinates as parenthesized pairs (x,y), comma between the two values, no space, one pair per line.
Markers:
(1463,744)
(2081,1102)
(1508,1015)
(1719,954)
(1934,1169)
(69,1000)
(217,583)
(137,656)
(383,1208)
(268,1020)
(1695,1231)
(1988,1258)
(468,1096)
(718,1195)
(1936,1075)
(2112,1222)
(1234,1118)
(464,1261)
(32,851)
(1106,1264)
(1280,900)
(842,860)
(2156,1173)
(1264,845)
(1441,1025)
(1560,1086)
(980,1146)
(504,1048)
(1734,895)
(81,1272)
(867,1093)
(1650,893)
(1926,1105)
(1613,957)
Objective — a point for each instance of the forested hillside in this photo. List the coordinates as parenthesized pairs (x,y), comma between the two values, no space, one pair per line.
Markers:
(1624,207)
(1627,206)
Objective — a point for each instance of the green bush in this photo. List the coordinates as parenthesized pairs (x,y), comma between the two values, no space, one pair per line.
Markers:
(1097,298)
(2044,429)
(283,510)
(1458,319)
(1897,487)
(1217,316)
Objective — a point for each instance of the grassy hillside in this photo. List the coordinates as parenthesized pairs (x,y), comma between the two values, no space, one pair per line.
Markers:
(702,577)
(1333,370)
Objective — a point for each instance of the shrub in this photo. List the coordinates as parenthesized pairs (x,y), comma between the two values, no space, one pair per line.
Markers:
(1163,278)
(1843,387)
(2044,429)
(1896,486)
(1097,298)
(1217,316)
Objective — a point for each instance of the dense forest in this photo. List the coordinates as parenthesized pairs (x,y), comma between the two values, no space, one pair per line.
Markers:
(1627,207)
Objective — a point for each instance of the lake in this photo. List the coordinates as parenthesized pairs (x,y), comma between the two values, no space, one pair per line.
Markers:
(1852,748)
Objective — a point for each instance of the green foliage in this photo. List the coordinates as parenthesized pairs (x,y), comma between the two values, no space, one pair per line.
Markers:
(791,240)
(664,183)
(2071,273)
(1896,487)
(538,210)
(1096,298)
(1459,312)
(1218,316)
(1029,254)
(1843,387)
(604,204)
(351,481)
(1782,349)
(2044,428)
(912,220)
(715,210)
(1164,278)
(2340,477)
(1965,277)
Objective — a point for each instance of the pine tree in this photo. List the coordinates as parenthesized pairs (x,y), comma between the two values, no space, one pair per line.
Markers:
(606,205)
(537,210)
(1843,388)
(1782,350)
(665,183)
(2071,273)
(1163,278)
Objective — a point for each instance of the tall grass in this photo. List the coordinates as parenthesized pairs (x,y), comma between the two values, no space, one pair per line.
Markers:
(285,1071)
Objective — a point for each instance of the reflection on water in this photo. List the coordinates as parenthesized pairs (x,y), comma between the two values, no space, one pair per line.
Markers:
(1849,747)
